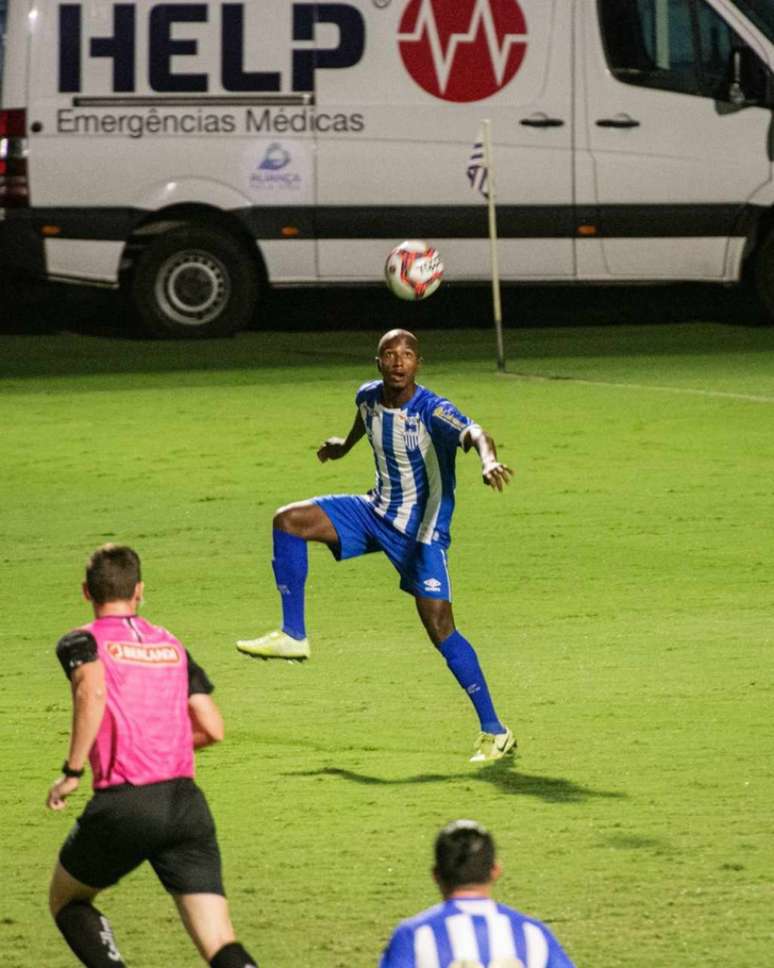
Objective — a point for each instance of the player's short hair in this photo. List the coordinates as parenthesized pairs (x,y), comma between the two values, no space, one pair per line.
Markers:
(393,334)
(464,854)
(112,573)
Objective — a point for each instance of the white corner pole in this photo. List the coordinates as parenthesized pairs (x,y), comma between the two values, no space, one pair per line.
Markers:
(491,204)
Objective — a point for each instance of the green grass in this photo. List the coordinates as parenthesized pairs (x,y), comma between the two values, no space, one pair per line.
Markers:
(619,595)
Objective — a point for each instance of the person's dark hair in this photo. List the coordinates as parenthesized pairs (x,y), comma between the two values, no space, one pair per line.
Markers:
(112,572)
(464,854)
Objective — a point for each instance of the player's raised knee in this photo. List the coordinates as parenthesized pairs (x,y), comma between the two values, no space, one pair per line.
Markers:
(305,520)
(292,518)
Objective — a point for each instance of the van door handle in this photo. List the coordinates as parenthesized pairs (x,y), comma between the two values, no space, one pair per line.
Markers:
(541,120)
(619,121)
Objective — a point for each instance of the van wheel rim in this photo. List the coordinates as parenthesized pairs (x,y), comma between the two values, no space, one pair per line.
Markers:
(192,287)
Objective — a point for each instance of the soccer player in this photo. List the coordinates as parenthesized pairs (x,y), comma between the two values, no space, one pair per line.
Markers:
(468,927)
(140,706)
(414,435)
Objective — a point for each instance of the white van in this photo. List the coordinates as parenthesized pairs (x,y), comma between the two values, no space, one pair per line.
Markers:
(196,151)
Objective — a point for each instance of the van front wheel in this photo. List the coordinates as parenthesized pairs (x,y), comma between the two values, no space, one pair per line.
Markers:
(194,282)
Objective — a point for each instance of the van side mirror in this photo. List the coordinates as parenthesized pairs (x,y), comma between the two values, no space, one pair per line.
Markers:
(735,90)
(751,82)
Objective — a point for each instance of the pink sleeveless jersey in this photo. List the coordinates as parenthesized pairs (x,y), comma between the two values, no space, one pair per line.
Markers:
(145,735)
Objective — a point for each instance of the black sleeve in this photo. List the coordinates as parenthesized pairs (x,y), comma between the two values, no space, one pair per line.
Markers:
(75,649)
(198,681)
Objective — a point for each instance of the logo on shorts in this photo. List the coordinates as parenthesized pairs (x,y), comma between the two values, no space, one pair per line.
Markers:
(137,654)
(432,584)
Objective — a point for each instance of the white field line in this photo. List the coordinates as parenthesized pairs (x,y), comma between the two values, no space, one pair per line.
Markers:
(751,397)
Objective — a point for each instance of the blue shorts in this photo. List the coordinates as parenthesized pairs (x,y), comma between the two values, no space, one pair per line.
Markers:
(422,567)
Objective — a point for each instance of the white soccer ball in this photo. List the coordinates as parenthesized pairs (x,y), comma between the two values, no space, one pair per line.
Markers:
(413,270)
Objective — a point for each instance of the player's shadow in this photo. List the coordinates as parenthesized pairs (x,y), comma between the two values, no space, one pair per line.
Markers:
(502,775)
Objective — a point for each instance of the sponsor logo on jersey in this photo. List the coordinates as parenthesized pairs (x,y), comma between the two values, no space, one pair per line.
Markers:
(432,584)
(462,50)
(411,432)
(140,654)
(449,417)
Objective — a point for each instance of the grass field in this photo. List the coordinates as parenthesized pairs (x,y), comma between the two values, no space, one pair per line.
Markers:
(619,595)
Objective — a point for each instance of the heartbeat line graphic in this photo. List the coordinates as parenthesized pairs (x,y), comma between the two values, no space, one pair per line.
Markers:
(482,14)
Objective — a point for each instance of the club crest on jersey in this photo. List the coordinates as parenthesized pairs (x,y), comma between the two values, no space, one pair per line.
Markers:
(138,654)
(449,417)
(411,432)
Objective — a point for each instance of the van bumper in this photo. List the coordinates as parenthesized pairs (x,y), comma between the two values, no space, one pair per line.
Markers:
(21,246)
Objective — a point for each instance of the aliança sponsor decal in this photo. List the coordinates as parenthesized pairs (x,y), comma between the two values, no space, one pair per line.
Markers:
(274,170)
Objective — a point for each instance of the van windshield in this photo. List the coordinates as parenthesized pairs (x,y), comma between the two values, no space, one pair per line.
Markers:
(3,11)
(761,12)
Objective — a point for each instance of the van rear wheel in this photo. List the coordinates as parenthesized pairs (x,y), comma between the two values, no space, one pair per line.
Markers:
(194,282)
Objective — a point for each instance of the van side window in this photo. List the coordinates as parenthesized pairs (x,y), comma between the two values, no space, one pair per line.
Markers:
(716,46)
(677,45)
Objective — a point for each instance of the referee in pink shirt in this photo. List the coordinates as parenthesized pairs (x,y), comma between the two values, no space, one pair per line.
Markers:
(140,707)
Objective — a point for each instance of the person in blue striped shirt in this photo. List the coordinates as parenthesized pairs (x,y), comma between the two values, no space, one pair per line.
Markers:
(468,929)
(415,435)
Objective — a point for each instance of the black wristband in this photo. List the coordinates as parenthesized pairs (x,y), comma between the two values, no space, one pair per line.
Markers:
(67,770)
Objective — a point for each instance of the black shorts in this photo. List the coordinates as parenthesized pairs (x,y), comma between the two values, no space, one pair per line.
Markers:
(168,824)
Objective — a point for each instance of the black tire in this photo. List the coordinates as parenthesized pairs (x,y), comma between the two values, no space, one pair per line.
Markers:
(764,278)
(193,282)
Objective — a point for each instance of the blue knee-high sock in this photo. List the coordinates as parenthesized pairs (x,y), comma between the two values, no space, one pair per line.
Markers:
(290,563)
(461,658)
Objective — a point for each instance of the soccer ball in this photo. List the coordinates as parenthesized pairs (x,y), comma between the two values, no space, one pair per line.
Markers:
(413,270)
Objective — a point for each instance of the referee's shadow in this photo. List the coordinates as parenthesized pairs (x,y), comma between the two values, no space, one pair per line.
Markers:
(501,774)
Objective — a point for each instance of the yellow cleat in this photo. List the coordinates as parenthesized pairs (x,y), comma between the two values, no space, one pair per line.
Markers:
(275,645)
(493,746)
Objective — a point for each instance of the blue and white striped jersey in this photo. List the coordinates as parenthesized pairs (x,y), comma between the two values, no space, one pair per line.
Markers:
(415,447)
(473,932)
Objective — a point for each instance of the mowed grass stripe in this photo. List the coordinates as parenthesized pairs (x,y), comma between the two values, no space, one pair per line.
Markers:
(755,398)
(619,594)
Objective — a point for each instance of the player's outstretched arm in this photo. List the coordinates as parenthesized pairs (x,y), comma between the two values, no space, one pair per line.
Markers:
(493,472)
(206,720)
(334,447)
(89,698)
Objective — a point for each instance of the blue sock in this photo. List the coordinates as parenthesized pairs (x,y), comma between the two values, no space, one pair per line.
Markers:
(290,563)
(461,658)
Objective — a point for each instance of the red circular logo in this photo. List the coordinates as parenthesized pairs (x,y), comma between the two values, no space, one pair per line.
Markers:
(462,50)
